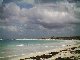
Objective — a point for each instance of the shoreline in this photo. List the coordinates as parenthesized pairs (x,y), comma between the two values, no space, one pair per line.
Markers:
(54,54)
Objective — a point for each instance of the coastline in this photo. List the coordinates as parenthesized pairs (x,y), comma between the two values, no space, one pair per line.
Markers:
(67,52)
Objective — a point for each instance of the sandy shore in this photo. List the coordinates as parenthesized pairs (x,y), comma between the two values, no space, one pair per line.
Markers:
(68,52)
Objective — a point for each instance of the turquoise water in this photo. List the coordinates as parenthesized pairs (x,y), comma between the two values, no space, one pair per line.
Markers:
(10,49)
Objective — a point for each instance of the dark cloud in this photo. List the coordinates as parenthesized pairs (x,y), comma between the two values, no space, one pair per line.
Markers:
(46,1)
(8,1)
(71,1)
(51,25)
(1,12)
(38,20)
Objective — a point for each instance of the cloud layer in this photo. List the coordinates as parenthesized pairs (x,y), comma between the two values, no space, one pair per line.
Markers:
(46,18)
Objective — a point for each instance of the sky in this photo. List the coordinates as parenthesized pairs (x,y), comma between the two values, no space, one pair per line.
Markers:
(39,18)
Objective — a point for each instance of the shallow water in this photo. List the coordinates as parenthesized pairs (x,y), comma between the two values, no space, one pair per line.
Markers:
(14,48)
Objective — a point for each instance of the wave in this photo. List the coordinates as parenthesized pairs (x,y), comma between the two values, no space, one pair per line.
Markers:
(20,45)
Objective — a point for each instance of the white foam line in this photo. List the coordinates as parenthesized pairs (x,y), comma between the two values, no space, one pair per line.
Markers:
(11,56)
(20,45)
(1,39)
(23,54)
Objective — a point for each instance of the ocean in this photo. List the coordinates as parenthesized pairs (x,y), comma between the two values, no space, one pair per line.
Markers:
(10,49)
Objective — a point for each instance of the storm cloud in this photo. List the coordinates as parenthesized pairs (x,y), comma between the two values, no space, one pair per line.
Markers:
(59,18)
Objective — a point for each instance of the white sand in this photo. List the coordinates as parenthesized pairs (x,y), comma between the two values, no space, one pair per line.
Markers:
(46,52)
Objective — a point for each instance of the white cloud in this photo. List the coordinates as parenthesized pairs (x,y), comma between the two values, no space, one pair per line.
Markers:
(47,17)
(10,28)
(13,28)
(12,9)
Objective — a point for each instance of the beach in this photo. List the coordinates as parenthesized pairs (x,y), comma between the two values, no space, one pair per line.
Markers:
(67,52)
